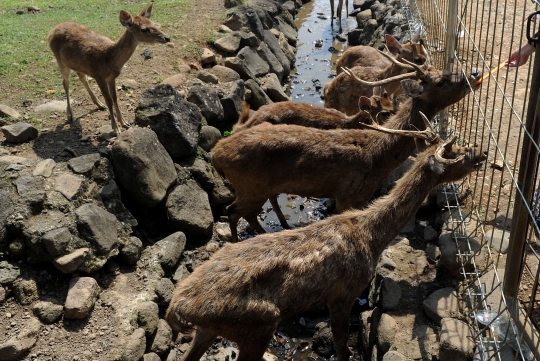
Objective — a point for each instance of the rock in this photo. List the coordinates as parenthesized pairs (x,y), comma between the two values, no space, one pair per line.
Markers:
(212,247)
(232,3)
(69,185)
(207,77)
(323,342)
(28,184)
(390,294)
(47,312)
(166,252)
(44,168)
(25,291)
(258,96)
(135,346)
(223,231)
(188,209)
(430,234)
(442,303)
(148,317)
(181,274)
(164,291)
(97,226)
(209,137)
(19,132)
(487,349)
(18,345)
(85,163)
(268,56)
(206,98)
(56,241)
(248,64)
(456,341)
(273,44)
(177,81)
(230,43)
(498,239)
(225,74)
(143,166)
(421,263)
(288,50)
(363,17)
(287,30)
(131,252)
(386,332)
(163,338)
(176,122)
(82,294)
(272,87)
(8,273)
(71,262)
(2,294)
(367,32)
(6,111)
(232,103)
(393,356)
(151,357)
(433,253)
(449,258)
(208,56)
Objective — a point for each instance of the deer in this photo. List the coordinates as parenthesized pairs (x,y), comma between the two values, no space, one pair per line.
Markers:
(341,93)
(246,289)
(339,11)
(79,48)
(368,56)
(347,165)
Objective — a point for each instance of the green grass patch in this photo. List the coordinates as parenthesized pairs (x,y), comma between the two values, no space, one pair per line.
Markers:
(26,61)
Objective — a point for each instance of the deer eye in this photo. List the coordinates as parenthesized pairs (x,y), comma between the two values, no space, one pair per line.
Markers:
(385,113)
(441,82)
(418,61)
(145,30)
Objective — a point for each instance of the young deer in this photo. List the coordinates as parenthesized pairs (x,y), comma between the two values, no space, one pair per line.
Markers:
(86,52)
(339,11)
(246,289)
(347,165)
(368,56)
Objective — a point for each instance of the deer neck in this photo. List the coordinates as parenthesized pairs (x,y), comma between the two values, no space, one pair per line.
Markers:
(123,49)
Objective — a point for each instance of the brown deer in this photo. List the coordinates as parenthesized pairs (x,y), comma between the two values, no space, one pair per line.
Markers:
(342,91)
(246,289)
(86,52)
(347,165)
(339,11)
(368,56)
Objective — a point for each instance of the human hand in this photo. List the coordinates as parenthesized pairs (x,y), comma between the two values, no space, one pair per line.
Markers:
(519,56)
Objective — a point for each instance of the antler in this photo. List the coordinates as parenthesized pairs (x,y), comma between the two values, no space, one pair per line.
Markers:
(438,154)
(378,82)
(428,134)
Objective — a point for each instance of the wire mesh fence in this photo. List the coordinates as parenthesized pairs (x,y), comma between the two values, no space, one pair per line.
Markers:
(492,215)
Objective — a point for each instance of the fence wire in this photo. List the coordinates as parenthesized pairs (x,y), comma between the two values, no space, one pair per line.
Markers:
(481,209)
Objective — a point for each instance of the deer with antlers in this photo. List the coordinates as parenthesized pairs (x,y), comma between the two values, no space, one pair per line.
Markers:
(347,165)
(246,289)
(86,52)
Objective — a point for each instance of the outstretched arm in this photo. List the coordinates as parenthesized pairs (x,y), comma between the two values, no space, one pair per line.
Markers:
(521,55)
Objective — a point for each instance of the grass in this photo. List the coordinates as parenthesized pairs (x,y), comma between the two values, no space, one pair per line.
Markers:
(26,62)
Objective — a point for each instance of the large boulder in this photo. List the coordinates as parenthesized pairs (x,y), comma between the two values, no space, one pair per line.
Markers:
(175,121)
(258,96)
(248,64)
(98,227)
(232,103)
(143,166)
(273,44)
(206,98)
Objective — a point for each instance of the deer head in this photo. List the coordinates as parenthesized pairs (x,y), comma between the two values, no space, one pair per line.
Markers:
(143,29)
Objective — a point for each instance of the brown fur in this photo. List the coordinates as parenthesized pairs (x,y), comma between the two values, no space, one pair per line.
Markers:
(348,165)
(81,49)
(244,291)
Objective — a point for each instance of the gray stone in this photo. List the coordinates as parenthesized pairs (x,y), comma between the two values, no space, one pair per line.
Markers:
(25,291)
(486,350)
(433,253)
(441,304)
(56,241)
(288,49)
(498,239)
(81,296)
(271,85)
(367,32)
(268,56)
(258,96)
(230,43)
(323,342)
(225,74)
(28,184)
(68,184)
(52,106)
(386,332)
(176,81)
(353,36)
(163,338)
(181,273)
(248,39)
(456,341)
(152,356)
(201,172)
(273,44)
(148,317)
(85,163)
(223,231)
(363,17)
(143,166)
(209,137)
(72,261)
(98,227)
(18,345)
(135,346)
(232,103)
(430,234)
(188,209)
(6,111)
(164,291)
(287,30)
(131,252)
(47,312)
(449,252)
(248,64)
(208,56)
(176,121)
(393,356)
(207,77)
(390,294)
(8,273)
(222,192)
(19,132)
(167,251)
(206,98)
(44,168)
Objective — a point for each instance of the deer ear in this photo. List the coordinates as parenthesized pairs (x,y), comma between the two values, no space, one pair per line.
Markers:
(393,45)
(125,19)
(377,90)
(435,166)
(412,88)
(147,12)
(364,103)
(416,36)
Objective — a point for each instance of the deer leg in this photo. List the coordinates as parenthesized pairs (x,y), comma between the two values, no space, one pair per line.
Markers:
(119,117)
(65,71)
(332,13)
(279,213)
(339,323)
(202,341)
(103,86)
(339,10)
(254,348)
(253,220)
(95,100)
